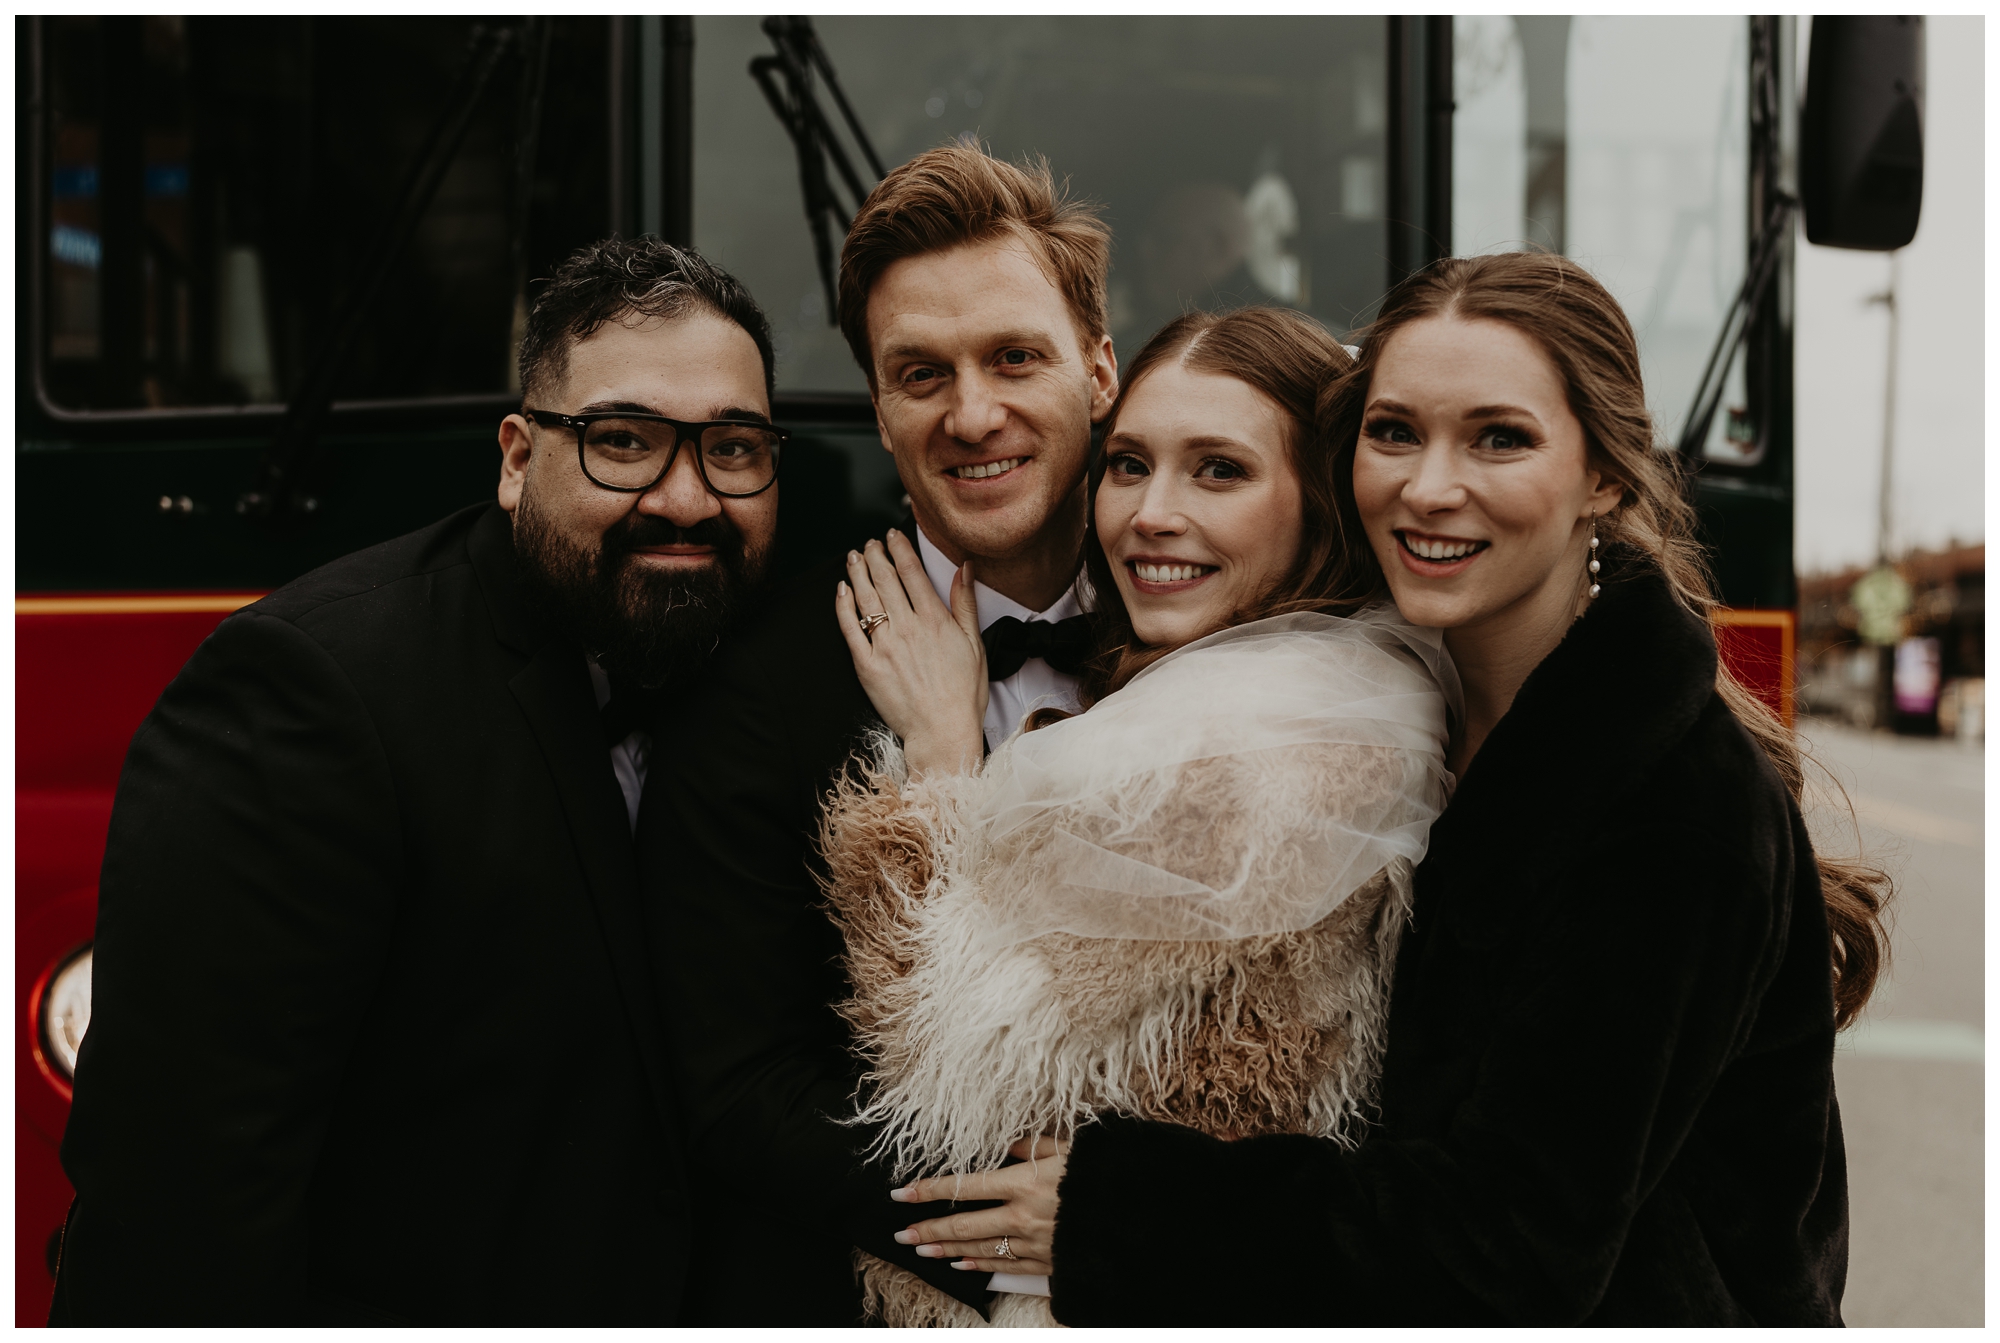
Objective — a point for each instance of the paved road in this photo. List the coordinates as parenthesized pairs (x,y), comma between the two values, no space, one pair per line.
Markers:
(1911,1077)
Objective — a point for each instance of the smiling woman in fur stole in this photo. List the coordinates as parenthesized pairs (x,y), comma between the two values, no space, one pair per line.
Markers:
(1183,903)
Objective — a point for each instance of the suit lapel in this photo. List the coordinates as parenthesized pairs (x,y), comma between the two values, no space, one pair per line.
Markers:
(554,692)
(555,696)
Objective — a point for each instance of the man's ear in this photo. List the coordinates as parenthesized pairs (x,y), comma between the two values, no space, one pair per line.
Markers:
(1103,379)
(517,445)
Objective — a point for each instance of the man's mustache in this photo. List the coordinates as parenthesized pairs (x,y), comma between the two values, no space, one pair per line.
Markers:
(641,530)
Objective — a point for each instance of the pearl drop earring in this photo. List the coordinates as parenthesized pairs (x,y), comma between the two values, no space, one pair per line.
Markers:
(1591,569)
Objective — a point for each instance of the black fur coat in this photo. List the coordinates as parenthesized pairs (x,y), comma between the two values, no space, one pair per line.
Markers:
(1607,1096)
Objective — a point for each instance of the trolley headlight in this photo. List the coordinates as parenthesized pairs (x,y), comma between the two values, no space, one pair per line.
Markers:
(66,1012)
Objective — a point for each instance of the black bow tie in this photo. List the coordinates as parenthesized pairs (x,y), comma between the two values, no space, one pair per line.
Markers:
(631,708)
(1010,642)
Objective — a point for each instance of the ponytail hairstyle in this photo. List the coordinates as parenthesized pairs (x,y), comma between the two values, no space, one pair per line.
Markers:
(1585,334)
(1292,360)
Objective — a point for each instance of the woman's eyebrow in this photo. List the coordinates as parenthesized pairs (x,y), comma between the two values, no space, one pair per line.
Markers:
(1389,407)
(1496,411)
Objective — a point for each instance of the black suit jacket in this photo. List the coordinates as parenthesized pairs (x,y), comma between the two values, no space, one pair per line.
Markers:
(750,971)
(374,1034)
(1607,1096)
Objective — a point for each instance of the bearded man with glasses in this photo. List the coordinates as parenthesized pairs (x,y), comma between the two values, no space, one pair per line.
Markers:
(375,1038)
(652,617)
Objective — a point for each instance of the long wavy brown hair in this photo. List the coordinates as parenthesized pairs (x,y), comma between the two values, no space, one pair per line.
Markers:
(1292,360)
(1585,334)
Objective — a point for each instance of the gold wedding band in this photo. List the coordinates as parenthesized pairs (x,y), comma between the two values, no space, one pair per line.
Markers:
(869,623)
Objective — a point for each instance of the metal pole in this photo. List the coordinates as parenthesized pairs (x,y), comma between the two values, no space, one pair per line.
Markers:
(617,140)
(1884,525)
(652,124)
(677,207)
(536,33)
(1440,47)
(1419,141)
(1885,697)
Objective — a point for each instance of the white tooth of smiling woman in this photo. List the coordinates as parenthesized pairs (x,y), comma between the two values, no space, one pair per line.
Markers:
(1439,550)
(1170,573)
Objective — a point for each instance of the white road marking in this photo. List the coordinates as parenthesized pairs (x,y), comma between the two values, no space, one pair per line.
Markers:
(1908,820)
(1941,1041)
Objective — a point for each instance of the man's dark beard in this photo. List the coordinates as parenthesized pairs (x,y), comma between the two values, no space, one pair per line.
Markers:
(647,625)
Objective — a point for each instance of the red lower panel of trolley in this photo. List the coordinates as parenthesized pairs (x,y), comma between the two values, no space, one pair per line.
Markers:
(87,671)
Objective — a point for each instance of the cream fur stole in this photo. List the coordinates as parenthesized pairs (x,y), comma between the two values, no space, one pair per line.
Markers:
(974,1040)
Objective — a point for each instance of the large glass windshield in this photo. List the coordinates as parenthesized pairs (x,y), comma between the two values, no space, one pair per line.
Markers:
(1622,142)
(1238,160)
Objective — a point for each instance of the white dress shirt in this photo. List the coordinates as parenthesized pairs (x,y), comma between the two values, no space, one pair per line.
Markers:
(628,757)
(1037,685)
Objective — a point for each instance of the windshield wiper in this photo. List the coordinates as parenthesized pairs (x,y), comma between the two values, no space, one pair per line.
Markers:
(798,59)
(1757,277)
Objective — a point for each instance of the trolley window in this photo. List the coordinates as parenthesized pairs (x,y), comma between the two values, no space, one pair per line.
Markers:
(197,240)
(1238,160)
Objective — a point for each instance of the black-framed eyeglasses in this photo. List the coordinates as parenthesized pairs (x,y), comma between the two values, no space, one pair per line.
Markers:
(632,452)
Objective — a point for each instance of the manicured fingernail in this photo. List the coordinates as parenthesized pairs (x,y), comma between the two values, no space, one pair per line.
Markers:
(900,1195)
(906,1238)
(930,1251)
(853,555)
(841,587)
(964,1264)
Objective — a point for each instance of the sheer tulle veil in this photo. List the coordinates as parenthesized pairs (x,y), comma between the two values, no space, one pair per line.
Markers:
(1245,784)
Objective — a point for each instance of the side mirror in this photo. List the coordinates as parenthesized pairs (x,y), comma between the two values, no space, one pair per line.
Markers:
(1861,137)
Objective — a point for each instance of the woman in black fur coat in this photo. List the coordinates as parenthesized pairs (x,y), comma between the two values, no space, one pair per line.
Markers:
(1607,1095)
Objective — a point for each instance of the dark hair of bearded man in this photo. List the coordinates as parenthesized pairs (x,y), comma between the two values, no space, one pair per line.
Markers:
(624,280)
(647,626)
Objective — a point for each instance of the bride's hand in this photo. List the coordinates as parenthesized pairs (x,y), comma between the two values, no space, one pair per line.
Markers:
(924,668)
(1026,1216)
